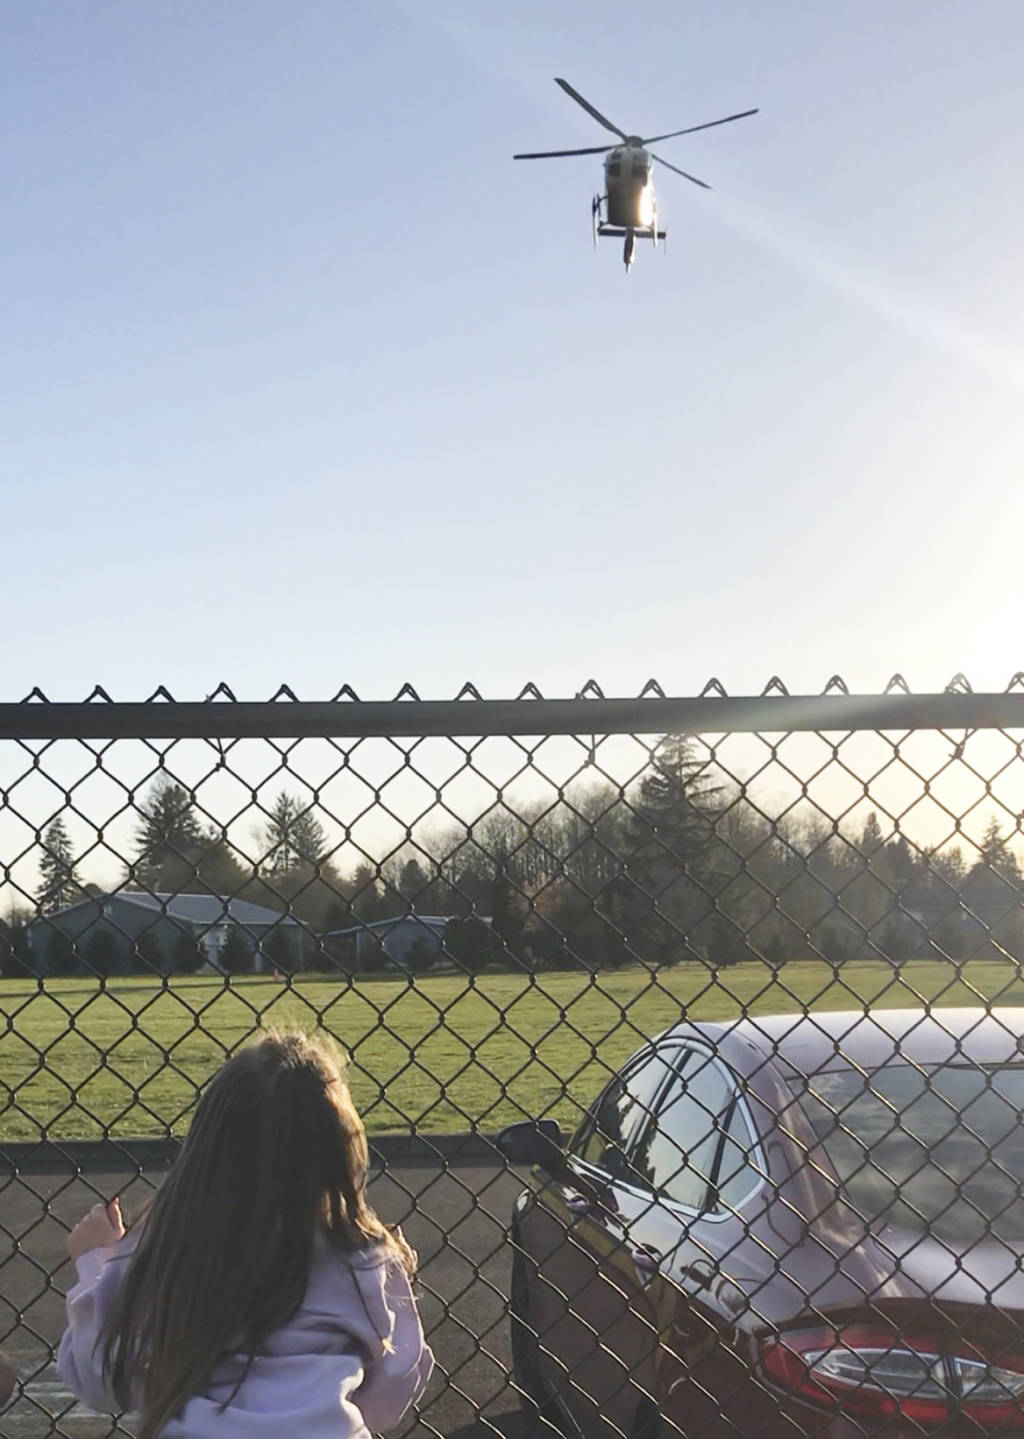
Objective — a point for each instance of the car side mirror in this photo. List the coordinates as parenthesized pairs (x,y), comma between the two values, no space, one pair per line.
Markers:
(535,1141)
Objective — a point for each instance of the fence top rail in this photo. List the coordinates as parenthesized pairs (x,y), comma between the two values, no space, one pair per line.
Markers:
(770,713)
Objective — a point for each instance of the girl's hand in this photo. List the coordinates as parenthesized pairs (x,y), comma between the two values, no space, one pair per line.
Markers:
(100,1228)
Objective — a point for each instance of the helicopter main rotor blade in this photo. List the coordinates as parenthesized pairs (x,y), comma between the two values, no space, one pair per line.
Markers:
(601,119)
(554,154)
(677,170)
(710,125)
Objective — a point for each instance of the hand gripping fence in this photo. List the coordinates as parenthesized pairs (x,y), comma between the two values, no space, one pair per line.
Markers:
(688,1032)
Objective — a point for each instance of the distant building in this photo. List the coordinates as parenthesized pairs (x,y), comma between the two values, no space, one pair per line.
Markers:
(397,937)
(129,923)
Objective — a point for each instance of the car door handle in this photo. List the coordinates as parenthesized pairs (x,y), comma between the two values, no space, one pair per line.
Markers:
(700,1273)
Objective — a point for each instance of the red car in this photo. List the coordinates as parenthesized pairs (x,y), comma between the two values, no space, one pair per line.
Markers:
(789,1226)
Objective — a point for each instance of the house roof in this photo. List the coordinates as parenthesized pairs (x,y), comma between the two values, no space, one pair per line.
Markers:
(205,909)
(429,921)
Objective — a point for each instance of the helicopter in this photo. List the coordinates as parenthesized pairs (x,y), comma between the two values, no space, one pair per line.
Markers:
(628,207)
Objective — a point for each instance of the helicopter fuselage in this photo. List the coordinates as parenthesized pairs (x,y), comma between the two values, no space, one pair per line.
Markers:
(629,189)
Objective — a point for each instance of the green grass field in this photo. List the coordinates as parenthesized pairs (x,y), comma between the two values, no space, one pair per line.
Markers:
(78,1061)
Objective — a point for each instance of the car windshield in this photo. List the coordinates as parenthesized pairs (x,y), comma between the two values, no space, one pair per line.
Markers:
(930,1149)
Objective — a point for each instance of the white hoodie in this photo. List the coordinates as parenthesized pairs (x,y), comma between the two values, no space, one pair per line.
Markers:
(352,1358)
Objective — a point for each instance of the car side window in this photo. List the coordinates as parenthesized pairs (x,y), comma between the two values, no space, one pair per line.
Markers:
(737,1177)
(621,1113)
(676,1154)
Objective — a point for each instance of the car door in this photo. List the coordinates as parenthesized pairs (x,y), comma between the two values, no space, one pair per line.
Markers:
(703,1160)
(641,1273)
(592,1344)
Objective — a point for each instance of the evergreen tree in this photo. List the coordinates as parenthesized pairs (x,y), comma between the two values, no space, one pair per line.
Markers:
(992,890)
(170,839)
(309,839)
(337,915)
(675,808)
(367,901)
(174,853)
(102,953)
(727,943)
(217,870)
(279,950)
(293,836)
(411,885)
(421,956)
(407,886)
(507,915)
(59,885)
(147,954)
(946,866)
(995,854)
(672,880)
(14,951)
(373,957)
(235,952)
(62,954)
(904,865)
(188,954)
(469,942)
(871,836)
(278,849)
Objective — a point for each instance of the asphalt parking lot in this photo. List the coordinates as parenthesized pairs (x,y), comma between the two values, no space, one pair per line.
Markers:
(454,1213)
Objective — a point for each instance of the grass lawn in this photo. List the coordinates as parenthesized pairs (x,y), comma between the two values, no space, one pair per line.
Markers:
(78,1061)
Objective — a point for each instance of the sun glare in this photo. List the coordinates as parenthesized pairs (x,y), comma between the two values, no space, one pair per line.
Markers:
(875,293)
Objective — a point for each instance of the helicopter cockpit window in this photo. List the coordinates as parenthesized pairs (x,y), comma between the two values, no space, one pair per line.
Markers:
(640,173)
(615,167)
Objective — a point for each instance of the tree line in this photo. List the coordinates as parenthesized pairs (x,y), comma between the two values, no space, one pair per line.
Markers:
(679,865)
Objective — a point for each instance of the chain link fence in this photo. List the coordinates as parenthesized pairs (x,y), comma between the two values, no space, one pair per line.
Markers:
(686,1031)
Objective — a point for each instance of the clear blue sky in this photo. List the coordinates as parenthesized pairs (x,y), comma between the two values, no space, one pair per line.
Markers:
(301,378)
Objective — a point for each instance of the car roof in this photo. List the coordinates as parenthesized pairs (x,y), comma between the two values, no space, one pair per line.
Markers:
(808,1043)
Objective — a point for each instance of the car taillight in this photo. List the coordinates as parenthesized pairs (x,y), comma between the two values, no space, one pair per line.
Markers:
(862,1371)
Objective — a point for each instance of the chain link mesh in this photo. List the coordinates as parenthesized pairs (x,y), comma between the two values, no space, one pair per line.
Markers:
(797,1212)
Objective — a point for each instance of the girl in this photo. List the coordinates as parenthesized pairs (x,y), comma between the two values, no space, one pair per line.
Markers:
(259,1295)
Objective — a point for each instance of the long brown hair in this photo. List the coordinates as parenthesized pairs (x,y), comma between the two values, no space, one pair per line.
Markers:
(224,1254)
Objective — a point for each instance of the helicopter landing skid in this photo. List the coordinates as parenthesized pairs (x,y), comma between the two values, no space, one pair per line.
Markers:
(646,233)
(613,232)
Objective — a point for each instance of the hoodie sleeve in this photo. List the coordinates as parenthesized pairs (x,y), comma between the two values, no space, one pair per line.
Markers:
(398,1372)
(90,1304)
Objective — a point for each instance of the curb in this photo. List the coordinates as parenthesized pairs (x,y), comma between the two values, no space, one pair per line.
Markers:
(79,1155)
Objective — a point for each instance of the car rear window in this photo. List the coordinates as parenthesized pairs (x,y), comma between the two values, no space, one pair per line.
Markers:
(931,1149)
